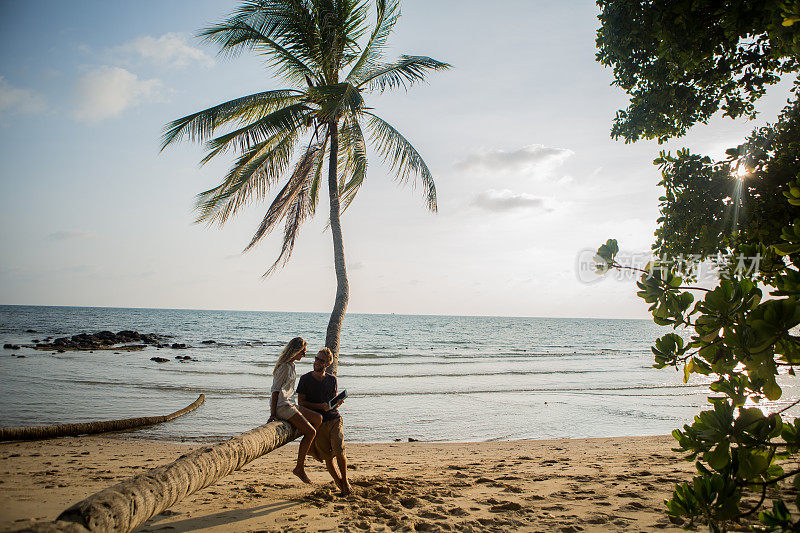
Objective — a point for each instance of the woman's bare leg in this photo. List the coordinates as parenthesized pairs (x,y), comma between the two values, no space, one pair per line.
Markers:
(312,416)
(315,419)
(308,432)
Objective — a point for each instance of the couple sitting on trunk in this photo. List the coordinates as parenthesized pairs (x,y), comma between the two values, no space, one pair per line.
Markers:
(318,422)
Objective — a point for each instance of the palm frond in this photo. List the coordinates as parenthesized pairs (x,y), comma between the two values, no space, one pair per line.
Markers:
(201,125)
(335,101)
(295,216)
(291,117)
(355,162)
(251,176)
(285,198)
(402,73)
(314,192)
(291,205)
(354,14)
(320,33)
(388,11)
(340,24)
(298,30)
(345,154)
(238,34)
(401,156)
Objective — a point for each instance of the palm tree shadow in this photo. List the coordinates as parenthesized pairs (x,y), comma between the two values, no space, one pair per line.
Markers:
(216,519)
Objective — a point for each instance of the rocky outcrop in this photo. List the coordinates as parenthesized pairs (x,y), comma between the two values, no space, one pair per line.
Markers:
(104,340)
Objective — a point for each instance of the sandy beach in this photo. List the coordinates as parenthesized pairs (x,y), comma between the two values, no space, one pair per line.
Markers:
(608,484)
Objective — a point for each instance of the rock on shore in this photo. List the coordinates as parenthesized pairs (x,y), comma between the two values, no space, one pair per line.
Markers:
(104,340)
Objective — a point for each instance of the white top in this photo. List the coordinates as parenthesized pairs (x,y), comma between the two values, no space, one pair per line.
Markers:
(283,383)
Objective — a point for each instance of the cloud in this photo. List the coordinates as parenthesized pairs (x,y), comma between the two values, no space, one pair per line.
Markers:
(20,100)
(505,200)
(68,235)
(168,50)
(526,159)
(108,91)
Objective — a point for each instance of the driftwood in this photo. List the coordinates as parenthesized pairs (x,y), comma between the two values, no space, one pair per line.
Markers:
(129,504)
(89,428)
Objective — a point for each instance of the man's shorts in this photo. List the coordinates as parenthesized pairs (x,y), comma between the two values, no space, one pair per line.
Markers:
(329,441)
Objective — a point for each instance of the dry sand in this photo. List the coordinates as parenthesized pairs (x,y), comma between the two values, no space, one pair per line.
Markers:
(614,484)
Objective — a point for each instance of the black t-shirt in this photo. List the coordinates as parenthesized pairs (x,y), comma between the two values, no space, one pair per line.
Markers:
(319,392)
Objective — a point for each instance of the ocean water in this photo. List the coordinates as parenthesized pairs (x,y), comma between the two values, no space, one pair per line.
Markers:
(432,378)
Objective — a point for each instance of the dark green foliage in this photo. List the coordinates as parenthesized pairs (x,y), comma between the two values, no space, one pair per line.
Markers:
(697,207)
(741,340)
(682,61)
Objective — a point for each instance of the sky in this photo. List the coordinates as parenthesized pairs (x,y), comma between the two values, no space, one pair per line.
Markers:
(516,135)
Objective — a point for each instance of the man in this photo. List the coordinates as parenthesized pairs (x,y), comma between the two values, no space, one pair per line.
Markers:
(314,391)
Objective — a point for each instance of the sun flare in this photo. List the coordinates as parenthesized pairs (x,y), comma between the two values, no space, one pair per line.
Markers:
(741,172)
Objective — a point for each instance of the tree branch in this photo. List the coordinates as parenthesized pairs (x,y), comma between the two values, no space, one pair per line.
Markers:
(758,505)
(773,480)
(616,265)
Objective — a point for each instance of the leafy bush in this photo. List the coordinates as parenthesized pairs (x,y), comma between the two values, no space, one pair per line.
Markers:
(680,63)
(743,339)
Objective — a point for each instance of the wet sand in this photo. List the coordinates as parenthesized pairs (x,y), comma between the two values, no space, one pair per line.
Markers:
(609,484)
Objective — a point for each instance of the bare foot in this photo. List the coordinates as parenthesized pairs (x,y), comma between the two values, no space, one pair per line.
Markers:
(301,473)
(345,488)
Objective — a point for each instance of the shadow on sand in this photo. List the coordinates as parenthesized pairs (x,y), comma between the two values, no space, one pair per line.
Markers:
(216,519)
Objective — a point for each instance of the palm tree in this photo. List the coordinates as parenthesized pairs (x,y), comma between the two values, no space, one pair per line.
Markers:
(328,54)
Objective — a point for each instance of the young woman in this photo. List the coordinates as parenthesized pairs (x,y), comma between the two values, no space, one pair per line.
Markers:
(281,406)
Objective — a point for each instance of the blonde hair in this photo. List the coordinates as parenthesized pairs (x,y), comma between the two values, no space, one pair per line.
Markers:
(290,351)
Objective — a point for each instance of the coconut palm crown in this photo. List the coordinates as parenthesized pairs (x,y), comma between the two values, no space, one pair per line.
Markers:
(330,57)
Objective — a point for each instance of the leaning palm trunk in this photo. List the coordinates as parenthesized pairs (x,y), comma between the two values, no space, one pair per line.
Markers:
(129,504)
(342,285)
(90,428)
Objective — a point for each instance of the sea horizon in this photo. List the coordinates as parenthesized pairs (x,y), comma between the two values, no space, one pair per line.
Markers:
(349,313)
